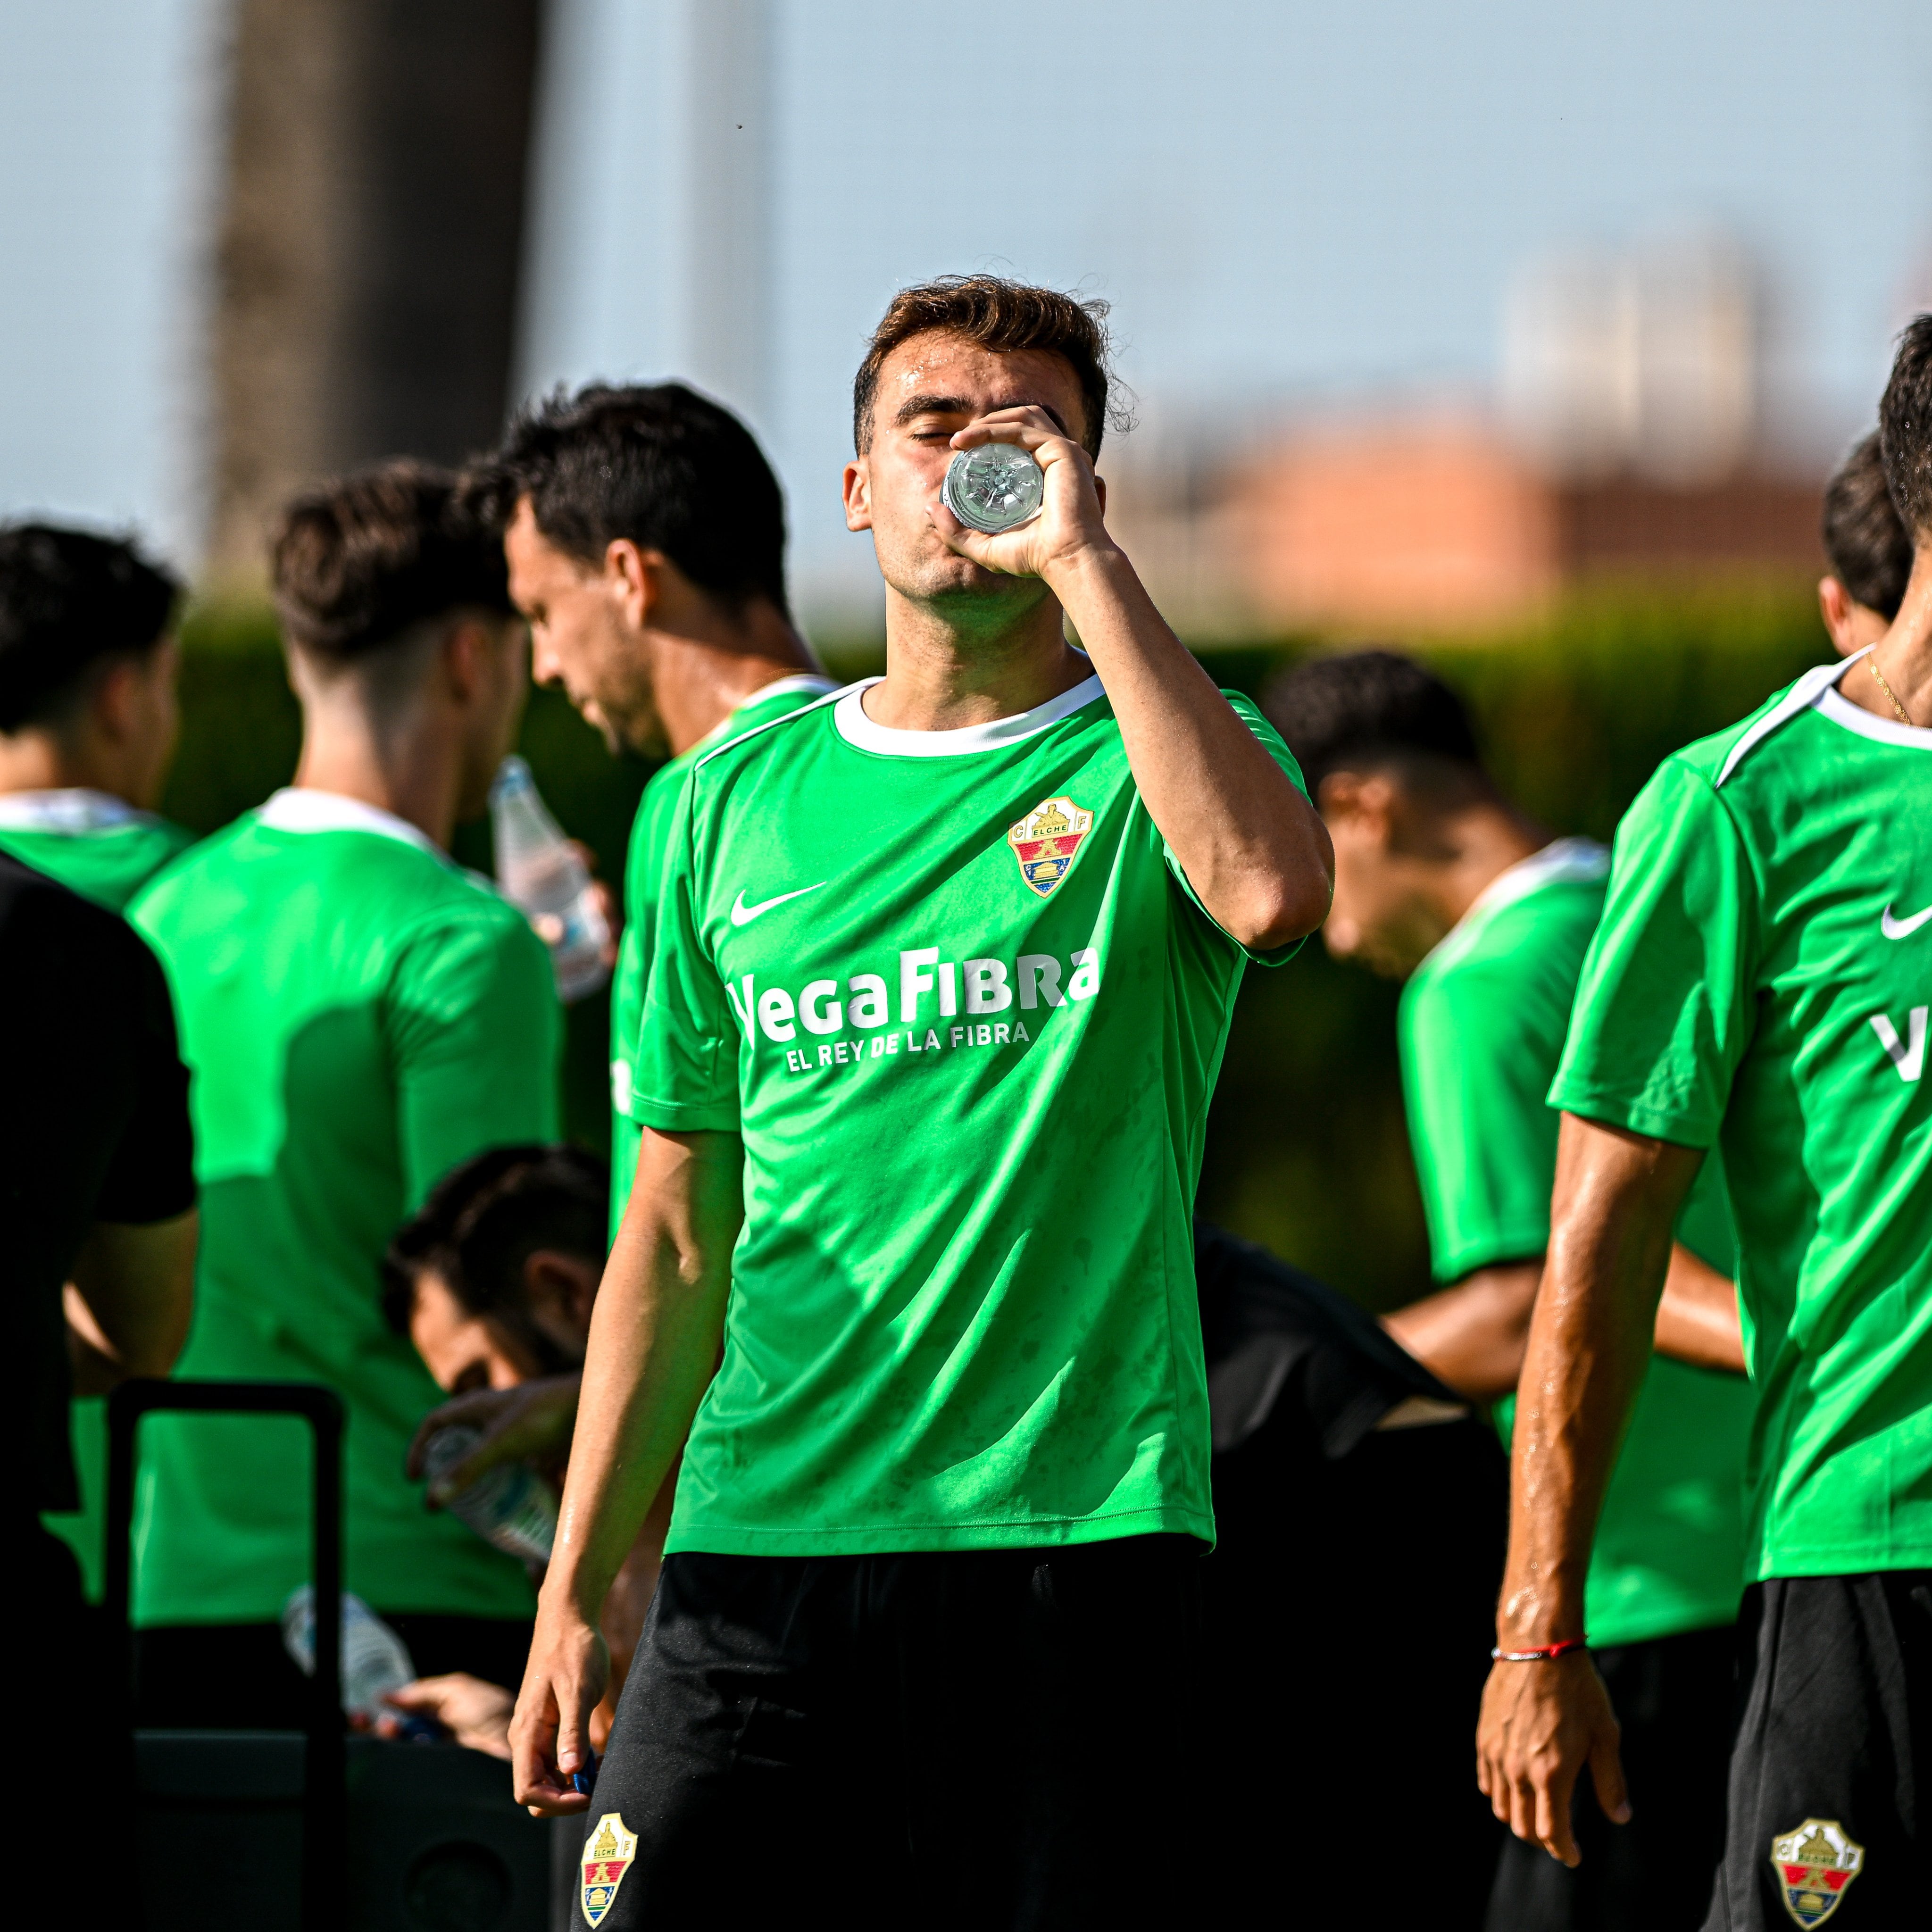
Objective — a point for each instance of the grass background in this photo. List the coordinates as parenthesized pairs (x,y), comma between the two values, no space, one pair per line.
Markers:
(1306,1147)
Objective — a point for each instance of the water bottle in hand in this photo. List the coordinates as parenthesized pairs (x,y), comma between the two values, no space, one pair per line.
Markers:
(510,1506)
(542,875)
(375,1660)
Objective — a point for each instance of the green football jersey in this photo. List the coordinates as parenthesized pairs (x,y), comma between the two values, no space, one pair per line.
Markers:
(1483,1021)
(102,848)
(359,1014)
(643,867)
(954,992)
(94,844)
(1760,982)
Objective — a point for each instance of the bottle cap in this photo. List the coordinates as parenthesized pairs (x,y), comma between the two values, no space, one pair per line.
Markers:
(994,488)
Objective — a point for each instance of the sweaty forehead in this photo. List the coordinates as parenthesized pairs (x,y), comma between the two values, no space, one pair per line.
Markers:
(936,363)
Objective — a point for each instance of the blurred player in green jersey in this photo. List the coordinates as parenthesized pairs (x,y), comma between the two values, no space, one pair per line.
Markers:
(359,1014)
(1760,983)
(646,538)
(1440,881)
(88,725)
(944,968)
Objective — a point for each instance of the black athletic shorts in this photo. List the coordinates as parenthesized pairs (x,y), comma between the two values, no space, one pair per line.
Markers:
(1831,1784)
(1675,1698)
(963,1741)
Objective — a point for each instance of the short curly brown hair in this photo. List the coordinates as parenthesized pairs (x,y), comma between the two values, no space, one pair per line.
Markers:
(1005,316)
(1905,428)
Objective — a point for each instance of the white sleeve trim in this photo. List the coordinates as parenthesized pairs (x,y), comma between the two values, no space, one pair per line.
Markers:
(1802,697)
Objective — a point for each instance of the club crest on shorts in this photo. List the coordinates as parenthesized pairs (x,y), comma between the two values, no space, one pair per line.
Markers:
(1814,1864)
(607,1853)
(1045,841)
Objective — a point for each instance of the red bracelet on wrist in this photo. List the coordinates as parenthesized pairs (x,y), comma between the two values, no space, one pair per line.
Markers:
(1546,1653)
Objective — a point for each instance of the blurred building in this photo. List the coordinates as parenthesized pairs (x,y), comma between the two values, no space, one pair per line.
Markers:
(1628,439)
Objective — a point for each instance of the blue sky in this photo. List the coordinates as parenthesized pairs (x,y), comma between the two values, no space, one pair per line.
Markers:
(1284,201)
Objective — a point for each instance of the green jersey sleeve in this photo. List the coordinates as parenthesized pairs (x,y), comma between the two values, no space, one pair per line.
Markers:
(1475,1073)
(1273,743)
(686,1080)
(1664,1011)
(475,1031)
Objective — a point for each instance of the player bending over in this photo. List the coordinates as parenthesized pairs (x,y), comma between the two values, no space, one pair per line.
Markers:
(945,966)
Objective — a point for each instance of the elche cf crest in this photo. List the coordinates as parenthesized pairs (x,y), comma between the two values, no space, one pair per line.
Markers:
(1045,841)
(1814,1864)
(607,1853)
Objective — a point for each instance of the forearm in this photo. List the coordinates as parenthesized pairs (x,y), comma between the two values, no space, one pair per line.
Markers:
(653,1348)
(1616,1198)
(1697,1319)
(1471,1336)
(1253,847)
(131,1299)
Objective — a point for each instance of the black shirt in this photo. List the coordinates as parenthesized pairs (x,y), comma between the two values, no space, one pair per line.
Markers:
(1276,1338)
(94,1127)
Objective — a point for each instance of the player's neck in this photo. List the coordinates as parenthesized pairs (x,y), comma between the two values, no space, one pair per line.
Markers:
(707,666)
(410,766)
(941,676)
(41,760)
(1903,657)
(1481,841)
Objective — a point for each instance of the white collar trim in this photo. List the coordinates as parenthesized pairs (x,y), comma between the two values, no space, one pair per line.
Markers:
(1800,697)
(300,808)
(70,808)
(806,684)
(1562,862)
(856,728)
(1833,704)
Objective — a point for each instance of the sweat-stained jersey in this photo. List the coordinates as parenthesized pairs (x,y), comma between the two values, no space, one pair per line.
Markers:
(104,849)
(1484,1019)
(953,991)
(359,1014)
(644,868)
(1760,982)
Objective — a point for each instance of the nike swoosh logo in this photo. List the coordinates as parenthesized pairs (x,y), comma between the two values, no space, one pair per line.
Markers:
(743,915)
(1902,928)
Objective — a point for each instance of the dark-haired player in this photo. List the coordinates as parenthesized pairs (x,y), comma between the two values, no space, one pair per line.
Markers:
(88,725)
(493,1279)
(646,537)
(359,1014)
(1440,881)
(944,968)
(1760,982)
(88,712)
(1868,548)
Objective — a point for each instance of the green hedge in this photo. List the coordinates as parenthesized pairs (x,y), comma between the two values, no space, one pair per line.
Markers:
(1306,1149)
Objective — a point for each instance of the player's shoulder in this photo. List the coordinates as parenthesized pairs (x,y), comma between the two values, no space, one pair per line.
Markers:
(1759,748)
(786,733)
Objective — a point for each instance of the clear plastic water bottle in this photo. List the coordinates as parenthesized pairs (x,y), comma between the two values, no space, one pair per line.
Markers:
(375,1660)
(510,1506)
(542,875)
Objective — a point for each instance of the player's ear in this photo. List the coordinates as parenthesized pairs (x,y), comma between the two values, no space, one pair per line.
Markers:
(857,484)
(1835,606)
(563,1286)
(1358,806)
(634,578)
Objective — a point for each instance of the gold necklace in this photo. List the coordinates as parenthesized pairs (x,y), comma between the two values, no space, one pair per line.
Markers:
(1904,716)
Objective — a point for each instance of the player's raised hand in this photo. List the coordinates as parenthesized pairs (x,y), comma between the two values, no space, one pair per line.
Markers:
(1071,519)
(550,1735)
